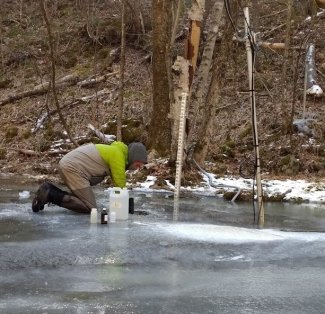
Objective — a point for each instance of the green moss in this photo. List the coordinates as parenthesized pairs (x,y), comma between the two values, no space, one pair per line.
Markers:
(83,69)
(247,130)
(14,31)
(26,134)
(103,53)
(228,150)
(4,82)
(277,197)
(49,133)
(41,144)
(230,143)
(131,131)
(11,132)
(289,165)
(285,160)
(297,200)
(3,153)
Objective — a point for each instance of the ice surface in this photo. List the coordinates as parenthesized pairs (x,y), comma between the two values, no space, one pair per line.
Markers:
(212,259)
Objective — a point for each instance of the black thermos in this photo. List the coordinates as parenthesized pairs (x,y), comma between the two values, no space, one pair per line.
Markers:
(131,205)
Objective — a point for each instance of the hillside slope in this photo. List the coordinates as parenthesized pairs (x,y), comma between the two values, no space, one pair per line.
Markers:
(87,43)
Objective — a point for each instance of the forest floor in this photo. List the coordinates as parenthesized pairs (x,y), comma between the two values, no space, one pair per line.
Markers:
(31,131)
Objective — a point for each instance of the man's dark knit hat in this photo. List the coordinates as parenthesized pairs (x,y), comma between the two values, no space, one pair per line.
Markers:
(137,152)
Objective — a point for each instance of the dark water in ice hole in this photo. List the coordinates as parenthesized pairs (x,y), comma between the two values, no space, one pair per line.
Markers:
(211,260)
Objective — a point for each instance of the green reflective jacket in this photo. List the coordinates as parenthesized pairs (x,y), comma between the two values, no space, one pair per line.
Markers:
(115,156)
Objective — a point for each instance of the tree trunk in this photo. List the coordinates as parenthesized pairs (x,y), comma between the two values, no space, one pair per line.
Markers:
(203,75)
(121,82)
(287,39)
(321,3)
(181,85)
(192,49)
(310,82)
(285,76)
(311,77)
(160,131)
(206,131)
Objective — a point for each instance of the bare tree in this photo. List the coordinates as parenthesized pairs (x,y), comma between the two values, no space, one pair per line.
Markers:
(121,83)
(287,38)
(52,61)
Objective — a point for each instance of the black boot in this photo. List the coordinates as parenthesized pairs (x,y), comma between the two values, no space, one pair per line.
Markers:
(66,200)
(56,195)
(41,197)
(47,193)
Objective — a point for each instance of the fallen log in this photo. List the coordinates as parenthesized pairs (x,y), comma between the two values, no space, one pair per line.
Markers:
(41,89)
(272,46)
(57,152)
(93,81)
(29,152)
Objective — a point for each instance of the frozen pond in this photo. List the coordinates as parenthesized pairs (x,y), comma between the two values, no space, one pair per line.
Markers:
(210,260)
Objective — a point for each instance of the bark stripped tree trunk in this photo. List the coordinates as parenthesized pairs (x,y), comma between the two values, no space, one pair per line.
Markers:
(198,99)
(191,54)
(176,8)
(310,82)
(192,49)
(312,88)
(159,130)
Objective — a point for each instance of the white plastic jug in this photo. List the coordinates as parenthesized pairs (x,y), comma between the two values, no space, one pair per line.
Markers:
(119,203)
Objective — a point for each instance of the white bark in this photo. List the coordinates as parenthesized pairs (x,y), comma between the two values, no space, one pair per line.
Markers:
(181,83)
(311,80)
(197,10)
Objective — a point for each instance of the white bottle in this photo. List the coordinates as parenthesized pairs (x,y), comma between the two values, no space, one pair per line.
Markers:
(93,216)
(112,217)
(119,203)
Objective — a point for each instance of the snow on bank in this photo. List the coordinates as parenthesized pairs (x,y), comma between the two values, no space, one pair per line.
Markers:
(289,190)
